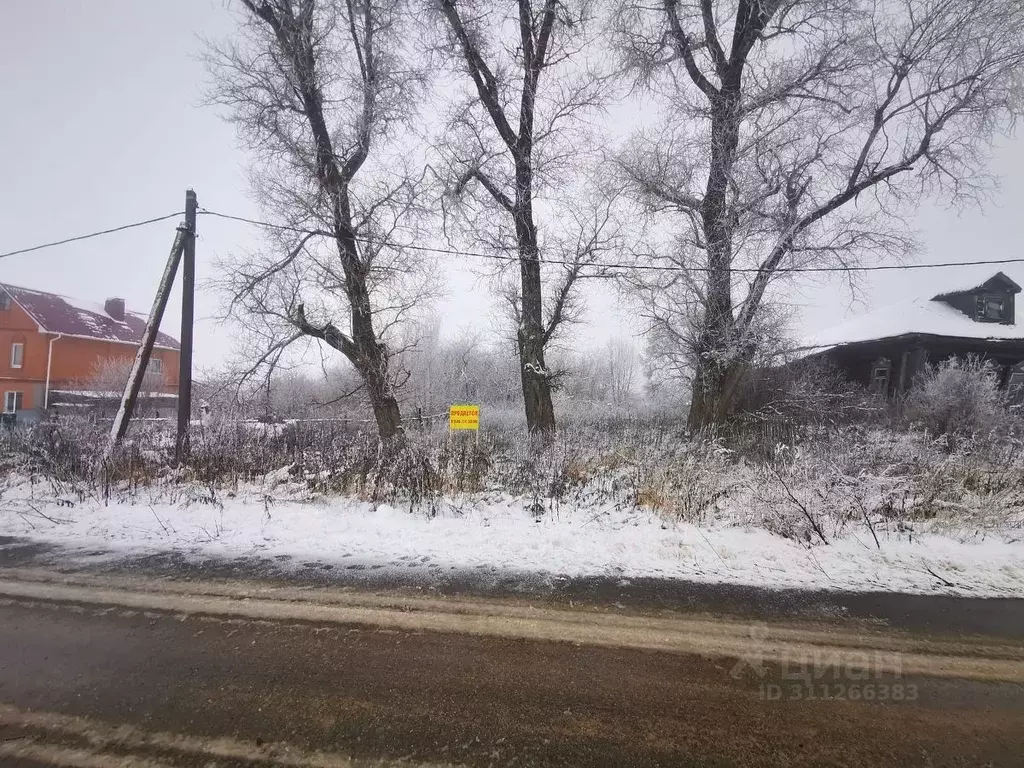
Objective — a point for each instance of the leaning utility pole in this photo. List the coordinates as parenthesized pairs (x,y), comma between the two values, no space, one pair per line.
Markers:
(184,244)
(134,384)
(188,289)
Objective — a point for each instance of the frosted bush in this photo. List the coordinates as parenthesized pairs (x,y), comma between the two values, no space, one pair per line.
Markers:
(958,398)
(814,486)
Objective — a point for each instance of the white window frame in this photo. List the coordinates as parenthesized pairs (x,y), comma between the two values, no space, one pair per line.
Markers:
(5,301)
(17,354)
(14,395)
(156,366)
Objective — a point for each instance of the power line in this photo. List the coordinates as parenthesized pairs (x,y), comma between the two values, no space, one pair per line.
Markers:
(512,258)
(410,246)
(90,235)
(607,265)
(282,227)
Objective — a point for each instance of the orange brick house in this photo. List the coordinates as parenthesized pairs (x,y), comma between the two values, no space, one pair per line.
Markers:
(51,347)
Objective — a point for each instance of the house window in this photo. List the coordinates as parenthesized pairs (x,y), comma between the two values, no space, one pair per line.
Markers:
(5,301)
(17,354)
(880,374)
(156,366)
(991,308)
(13,401)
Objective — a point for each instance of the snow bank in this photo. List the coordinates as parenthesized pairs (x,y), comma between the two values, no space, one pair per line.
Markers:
(502,535)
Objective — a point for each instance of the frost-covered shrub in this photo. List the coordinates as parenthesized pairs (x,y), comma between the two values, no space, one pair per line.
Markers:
(958,398)
(73,447)
(879,482)
(691,485)
(822,490)
(805,401)
(871,482)
(804,392)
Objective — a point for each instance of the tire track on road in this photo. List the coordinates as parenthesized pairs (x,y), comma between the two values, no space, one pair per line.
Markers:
(754,643)
(42,736)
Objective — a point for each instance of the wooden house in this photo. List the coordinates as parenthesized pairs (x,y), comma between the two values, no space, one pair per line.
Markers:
(886,348)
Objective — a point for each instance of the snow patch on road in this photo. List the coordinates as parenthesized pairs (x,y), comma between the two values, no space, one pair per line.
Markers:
(503,535)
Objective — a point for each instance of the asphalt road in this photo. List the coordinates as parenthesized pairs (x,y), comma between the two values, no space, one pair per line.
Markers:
(100,683)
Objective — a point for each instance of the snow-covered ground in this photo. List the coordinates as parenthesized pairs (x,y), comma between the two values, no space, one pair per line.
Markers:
(503,535)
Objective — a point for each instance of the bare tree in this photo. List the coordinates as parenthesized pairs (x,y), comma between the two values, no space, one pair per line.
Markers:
(464,368)
(508,142)
(798,133)
(621,363)
(99,392)
(605,374)
(320,89)
(109,376)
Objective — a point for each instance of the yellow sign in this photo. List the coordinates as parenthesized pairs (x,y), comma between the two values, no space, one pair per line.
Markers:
(464,417)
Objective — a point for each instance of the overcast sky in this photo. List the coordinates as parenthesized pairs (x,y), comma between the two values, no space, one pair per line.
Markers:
(103,125)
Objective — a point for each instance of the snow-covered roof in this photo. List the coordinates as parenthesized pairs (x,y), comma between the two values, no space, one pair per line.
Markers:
(969,278)
(62,314)
(922,315)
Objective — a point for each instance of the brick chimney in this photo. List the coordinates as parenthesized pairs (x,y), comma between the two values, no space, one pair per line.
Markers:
(115,308)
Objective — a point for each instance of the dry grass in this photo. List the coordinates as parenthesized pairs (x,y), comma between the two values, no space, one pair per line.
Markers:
(817,486)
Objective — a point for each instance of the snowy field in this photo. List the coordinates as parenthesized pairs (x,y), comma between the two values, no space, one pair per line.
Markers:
(503,535)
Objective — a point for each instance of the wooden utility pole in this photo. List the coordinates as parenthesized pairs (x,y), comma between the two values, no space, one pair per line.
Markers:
(134,384)
(188,296)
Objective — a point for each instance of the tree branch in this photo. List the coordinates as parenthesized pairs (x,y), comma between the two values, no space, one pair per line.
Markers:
(684,46)
(483,78)
(561,301)
(711,38)
(485,181)
(328,333)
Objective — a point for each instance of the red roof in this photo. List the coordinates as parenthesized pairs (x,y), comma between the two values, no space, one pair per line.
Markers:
(60,314)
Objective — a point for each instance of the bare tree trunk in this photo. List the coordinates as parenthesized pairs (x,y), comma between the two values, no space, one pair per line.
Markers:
(540,413)
(710,402)
(388,416)
(714,391)
(373,367)
(369,355)
(531,337)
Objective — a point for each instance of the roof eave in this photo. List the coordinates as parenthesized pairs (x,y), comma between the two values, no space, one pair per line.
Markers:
(21,306)
(913,336)
(109,341)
